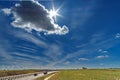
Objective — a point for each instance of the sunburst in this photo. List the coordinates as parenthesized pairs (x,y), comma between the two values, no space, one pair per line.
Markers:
(53,13)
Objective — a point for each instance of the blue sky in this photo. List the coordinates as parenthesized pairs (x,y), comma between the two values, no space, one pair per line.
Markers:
(86,34)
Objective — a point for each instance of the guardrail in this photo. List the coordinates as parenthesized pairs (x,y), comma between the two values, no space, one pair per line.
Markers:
(15,77)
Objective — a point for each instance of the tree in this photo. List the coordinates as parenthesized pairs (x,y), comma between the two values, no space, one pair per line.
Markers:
(84,67)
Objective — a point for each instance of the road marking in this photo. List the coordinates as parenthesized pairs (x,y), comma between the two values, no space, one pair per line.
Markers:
(49,77)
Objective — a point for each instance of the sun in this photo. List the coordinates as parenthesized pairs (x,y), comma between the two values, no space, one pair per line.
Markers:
(54,13)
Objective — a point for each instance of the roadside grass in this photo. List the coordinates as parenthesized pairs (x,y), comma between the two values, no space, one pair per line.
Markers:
(89,74)
(42,78)
(16,72)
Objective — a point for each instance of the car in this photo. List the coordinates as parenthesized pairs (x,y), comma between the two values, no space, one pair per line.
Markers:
(45,72)
(35,74)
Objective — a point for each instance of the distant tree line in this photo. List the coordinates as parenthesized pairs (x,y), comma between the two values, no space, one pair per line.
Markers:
(84,67)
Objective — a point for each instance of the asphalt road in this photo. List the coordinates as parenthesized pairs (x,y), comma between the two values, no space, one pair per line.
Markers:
(25,76)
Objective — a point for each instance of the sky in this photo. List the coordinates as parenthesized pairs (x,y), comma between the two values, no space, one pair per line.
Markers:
(80,33)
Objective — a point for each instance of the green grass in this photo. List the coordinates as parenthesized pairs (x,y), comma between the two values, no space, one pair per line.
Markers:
(93,74)
(15,72)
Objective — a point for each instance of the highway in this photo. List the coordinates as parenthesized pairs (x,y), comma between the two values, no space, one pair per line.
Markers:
(30,76)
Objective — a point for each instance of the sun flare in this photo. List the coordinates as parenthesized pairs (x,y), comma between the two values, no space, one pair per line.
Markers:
(54,13)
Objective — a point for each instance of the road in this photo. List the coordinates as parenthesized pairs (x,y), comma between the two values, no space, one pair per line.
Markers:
(49,77)
(25,76)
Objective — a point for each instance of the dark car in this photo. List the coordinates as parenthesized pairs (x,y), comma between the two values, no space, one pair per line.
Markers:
(35,74)
(45,72)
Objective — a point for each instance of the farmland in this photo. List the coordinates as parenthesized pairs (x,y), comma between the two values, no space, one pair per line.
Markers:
(80,74)
(88,74)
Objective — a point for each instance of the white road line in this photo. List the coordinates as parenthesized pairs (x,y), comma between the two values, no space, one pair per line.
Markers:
(49,77)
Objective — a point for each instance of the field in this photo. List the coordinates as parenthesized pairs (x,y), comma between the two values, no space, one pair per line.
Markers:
(89,74)
(83,74)
(16,72)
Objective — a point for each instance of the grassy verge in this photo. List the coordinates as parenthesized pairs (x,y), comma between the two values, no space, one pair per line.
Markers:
(16,72)
(103,74)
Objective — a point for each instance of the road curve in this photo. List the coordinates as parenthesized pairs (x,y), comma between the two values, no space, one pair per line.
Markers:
(49,77)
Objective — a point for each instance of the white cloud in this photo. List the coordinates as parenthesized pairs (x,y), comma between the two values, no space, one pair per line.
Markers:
(53,51)
(67,62)
(31,15)
(117,35)
(88,48)
(26,55)
(102,56)
(99,50)
(97,37)
(81,14)
(101,64)
(30,38)
(102,51)
(27,49)
(5,55)
(50,49)
(22,60)
(7,11)
(83,59)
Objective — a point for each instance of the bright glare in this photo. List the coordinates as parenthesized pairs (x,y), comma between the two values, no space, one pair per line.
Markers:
(53,13)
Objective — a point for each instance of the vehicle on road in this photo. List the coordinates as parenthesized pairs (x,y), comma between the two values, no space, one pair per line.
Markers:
(45,72)
(35,74)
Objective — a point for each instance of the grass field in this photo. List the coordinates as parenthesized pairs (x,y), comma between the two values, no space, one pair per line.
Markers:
(16,72)
(93,74)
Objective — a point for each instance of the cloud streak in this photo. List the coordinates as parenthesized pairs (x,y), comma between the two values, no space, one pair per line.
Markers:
(102,57)
(83,59)
(117,35)
(30,38)
(102,51)
(7,11)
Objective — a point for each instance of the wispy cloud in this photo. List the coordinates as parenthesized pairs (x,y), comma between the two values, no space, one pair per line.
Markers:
(20,64)
(28,54)
(101,64)
(102,57)
(102,51)
(50,48)
(89,48)
(67,62)
(5,49)
(22,61)
(26,48)
(29,37)
(83,59)
(117,35)
(53,51)
(81,14)
(7,11)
